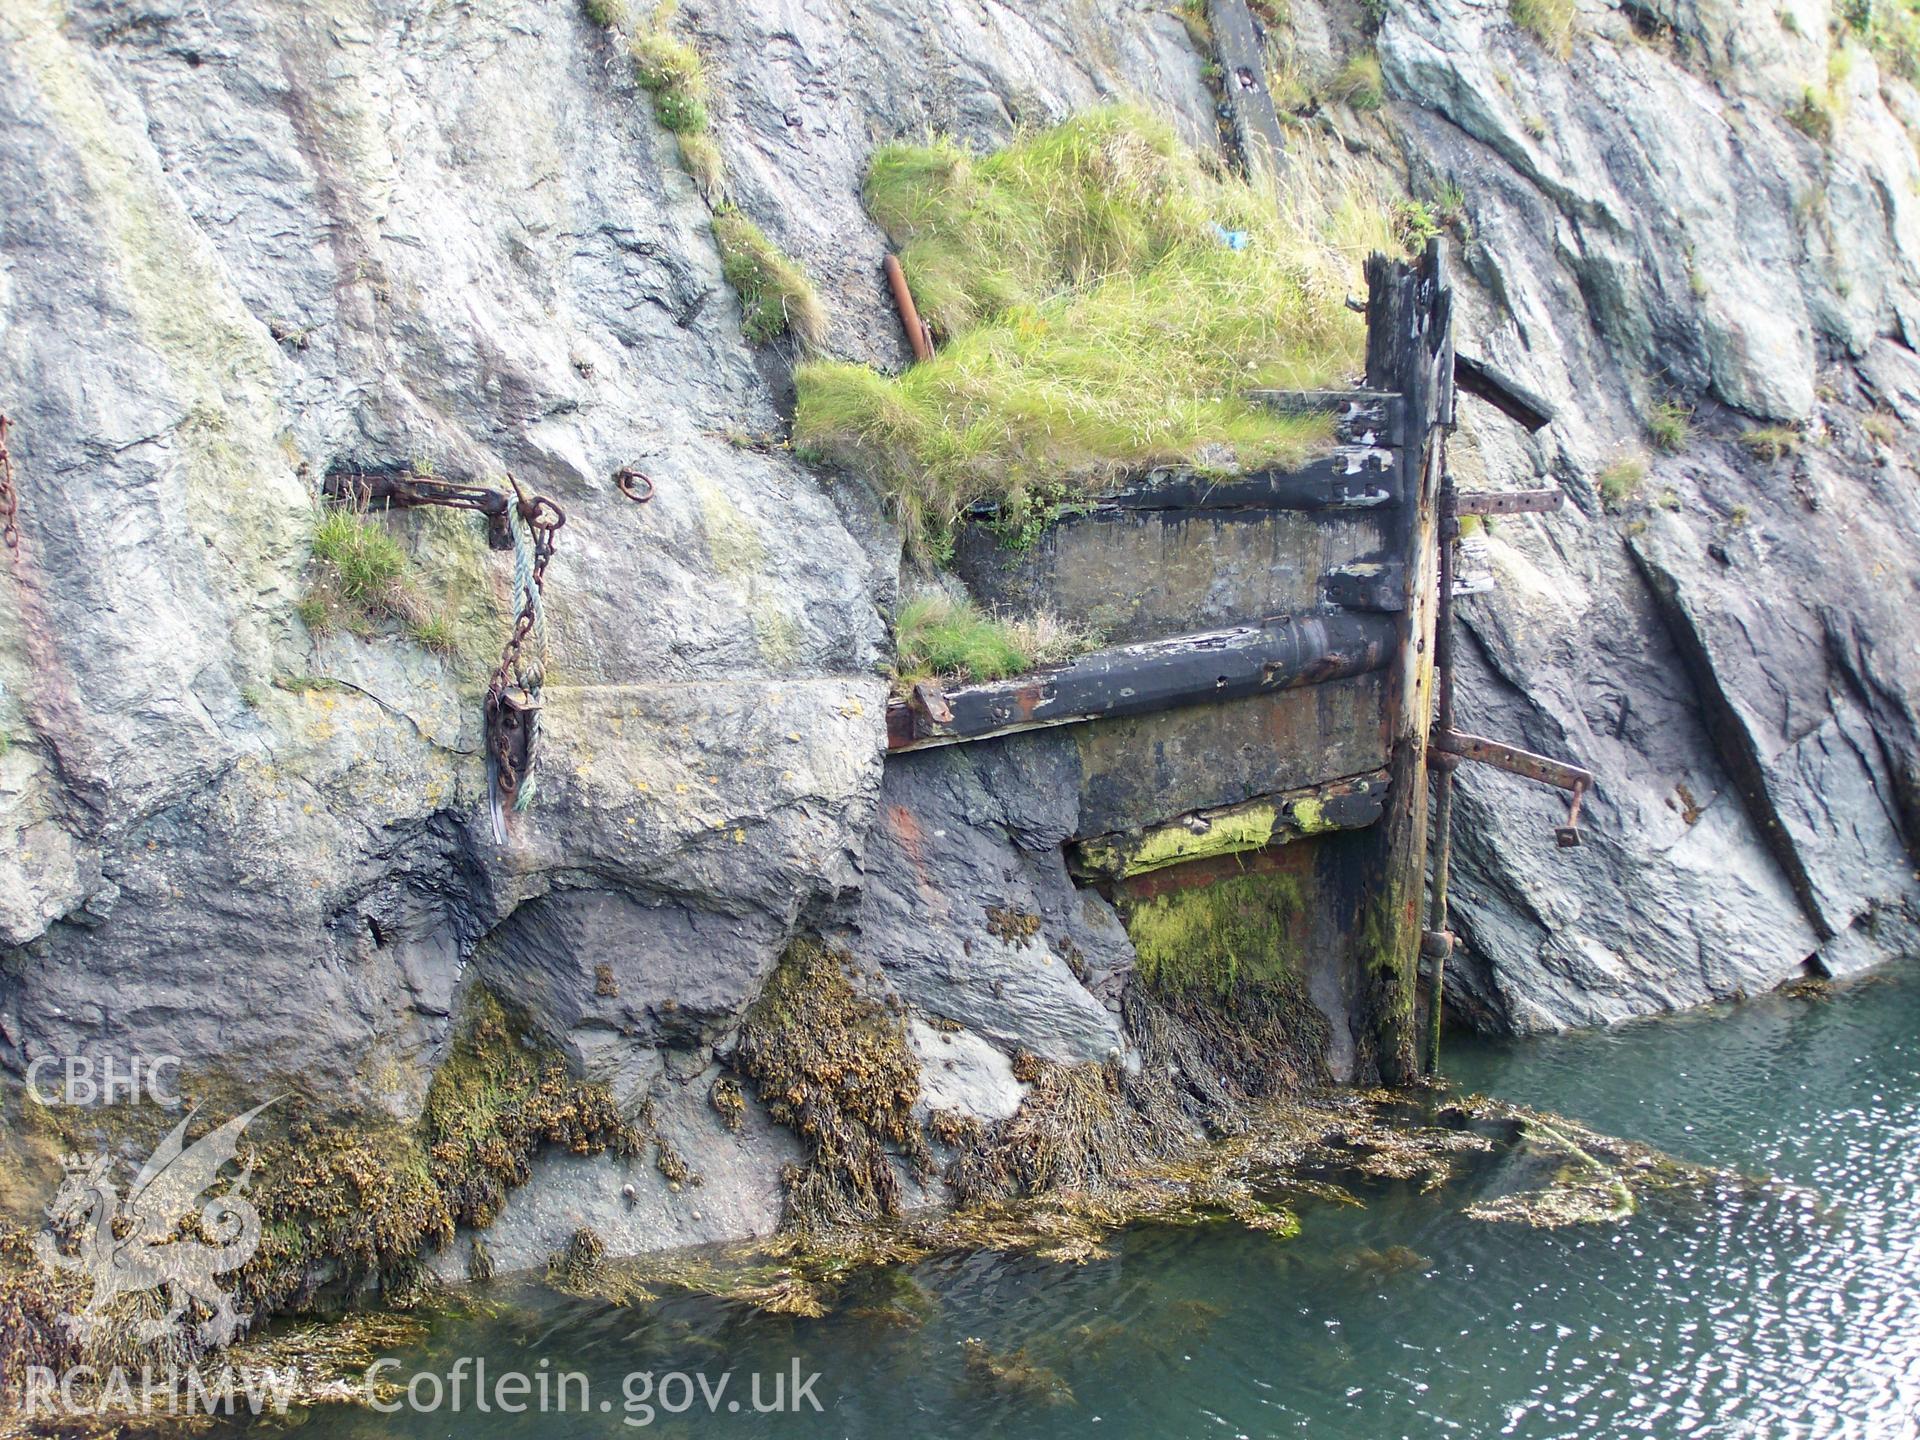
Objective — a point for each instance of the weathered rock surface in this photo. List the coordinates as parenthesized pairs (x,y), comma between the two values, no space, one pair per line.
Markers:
(253,242)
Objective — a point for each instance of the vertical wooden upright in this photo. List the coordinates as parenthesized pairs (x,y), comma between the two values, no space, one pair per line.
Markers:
(1410,350)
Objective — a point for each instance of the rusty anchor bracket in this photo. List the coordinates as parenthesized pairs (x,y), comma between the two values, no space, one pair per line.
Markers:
(402,491)
(633,483)
(1454,746)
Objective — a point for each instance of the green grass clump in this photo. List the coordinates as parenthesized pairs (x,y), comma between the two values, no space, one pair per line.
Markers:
(670,70)
(775,293)
(1670,425)
(1091,319)
(1888,28)
(1771,442)
(1359,84)
(605,13)
(1551,22)
(363,555)
(1620,482)
(940,634)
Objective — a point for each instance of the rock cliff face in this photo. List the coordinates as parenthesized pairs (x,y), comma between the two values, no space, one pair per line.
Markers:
(251,243)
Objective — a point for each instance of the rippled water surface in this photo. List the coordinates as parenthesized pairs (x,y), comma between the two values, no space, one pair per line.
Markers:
(1756,1316)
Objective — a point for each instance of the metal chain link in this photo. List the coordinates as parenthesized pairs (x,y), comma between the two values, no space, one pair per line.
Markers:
(513,695)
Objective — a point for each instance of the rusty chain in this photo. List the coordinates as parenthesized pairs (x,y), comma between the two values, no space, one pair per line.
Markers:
(9,499)
(513,694)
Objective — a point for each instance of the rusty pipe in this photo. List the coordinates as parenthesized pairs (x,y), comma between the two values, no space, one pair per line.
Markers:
(918,336)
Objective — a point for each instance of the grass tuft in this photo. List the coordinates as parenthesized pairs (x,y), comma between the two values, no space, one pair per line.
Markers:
(1359,84)
(940,634)
(1771,442)
(700,155)
(1551,22)
(366,560)
(775,293)
(670,70)
(1091,318)
(1670,425)
(1620,482)
(607,14)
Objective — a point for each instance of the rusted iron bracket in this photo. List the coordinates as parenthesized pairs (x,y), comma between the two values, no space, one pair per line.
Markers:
(1506,502)
(919,335)
(400,490)
(1378,586)
(1266,820)
(1276,654)
(1503,392)
(1539,768)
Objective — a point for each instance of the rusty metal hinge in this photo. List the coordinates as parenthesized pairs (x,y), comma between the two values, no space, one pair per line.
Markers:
(1454,746)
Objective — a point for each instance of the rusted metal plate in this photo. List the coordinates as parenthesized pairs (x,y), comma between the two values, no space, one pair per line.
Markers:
(1347,804)
(1508,502)
(1277,654)
(401,490)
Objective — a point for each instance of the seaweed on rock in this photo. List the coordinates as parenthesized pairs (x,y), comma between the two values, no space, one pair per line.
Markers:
(835,1067)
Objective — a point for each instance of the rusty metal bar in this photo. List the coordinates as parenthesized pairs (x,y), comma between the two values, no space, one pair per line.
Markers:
(9,497)
(1524,763)
(1276,654)
(918,335)
(401,491)
(1507,502)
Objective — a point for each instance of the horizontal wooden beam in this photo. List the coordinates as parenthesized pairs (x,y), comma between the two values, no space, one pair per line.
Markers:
(1501,391)
(1360,417)
(1276,654)
(1346,804)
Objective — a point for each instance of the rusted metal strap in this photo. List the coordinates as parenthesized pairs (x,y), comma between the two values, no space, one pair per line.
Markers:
(9,497)
(1524,763)
(1507,502)
(1276,654)
(919,336)
(401,490)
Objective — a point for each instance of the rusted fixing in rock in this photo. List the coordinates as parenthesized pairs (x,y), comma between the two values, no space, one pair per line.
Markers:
(9,498)
(918,335)
(1540,768)
(1437,944)
(929,701)
(400,490)
(634,483)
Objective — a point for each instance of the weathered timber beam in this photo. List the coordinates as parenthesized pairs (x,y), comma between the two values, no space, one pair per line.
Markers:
(1503,392)
(1276,654)
(1377,585)
(1352,477)
(1346,804)
(1360,417)
(1242,52)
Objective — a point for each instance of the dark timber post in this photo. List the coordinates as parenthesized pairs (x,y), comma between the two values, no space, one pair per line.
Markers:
(1410,350)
